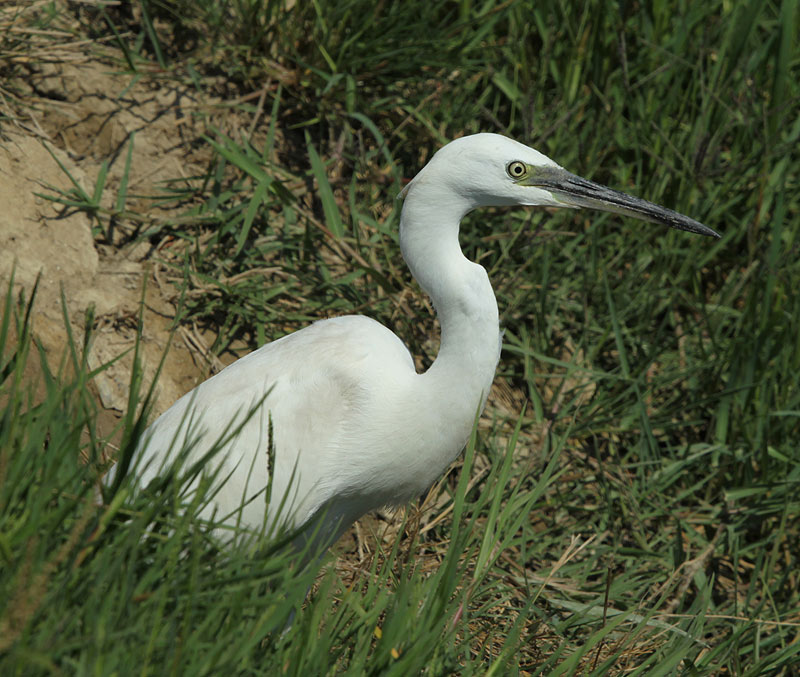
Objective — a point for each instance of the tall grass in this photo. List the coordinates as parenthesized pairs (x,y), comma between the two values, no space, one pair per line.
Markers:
(639,513)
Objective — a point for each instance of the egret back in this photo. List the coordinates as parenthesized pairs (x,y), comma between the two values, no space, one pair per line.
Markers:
(323,398)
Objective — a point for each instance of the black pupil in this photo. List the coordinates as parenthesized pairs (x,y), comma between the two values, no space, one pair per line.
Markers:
(516,169)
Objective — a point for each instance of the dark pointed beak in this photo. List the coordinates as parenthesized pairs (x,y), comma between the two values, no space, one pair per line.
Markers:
(573,191)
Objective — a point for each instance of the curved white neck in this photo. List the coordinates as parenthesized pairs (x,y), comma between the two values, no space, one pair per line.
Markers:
(461,293)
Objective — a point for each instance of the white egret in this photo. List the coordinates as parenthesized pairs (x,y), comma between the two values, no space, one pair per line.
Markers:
(353,426)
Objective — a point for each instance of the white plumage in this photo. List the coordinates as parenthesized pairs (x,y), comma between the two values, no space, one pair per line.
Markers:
(354,427)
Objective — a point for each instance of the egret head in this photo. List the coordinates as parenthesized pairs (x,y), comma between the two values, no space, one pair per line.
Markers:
(491,170)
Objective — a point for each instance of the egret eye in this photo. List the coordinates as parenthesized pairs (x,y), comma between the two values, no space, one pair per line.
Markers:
(516,169)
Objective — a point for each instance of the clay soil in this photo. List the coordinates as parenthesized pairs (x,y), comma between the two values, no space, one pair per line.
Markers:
(69,118)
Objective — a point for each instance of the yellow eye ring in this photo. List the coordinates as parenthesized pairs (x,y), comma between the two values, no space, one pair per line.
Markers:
(516,169)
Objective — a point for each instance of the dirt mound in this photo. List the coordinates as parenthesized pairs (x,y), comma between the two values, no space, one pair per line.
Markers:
(83,119)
